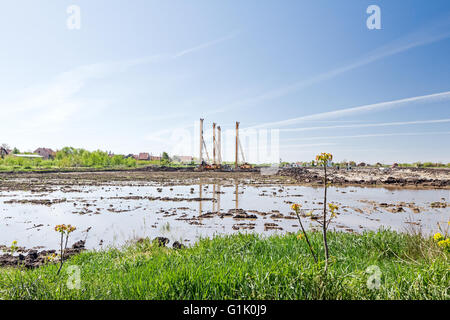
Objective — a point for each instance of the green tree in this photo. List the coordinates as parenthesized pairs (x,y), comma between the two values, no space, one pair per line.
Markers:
(165,157)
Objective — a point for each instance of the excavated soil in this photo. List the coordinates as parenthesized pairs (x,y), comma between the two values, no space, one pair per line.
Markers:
(396,177)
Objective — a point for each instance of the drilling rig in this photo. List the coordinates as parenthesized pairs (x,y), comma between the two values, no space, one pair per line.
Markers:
(217,150)
(244,165)
(216,163)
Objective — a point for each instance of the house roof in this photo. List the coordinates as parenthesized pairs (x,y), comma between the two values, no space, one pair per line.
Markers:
(143,156)
(44,150)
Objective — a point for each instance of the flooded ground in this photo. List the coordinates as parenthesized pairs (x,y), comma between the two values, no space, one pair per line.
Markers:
(109,212)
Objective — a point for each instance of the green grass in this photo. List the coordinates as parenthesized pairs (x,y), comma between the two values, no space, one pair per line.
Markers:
(247,267)
(37,168)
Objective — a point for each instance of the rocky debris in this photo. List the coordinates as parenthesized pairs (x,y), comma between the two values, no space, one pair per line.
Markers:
(165,169)
(178,245)
(277,216)
(244,226)
(396,209)
(271,226)
(245,216)
(241,214)
(258,212)
(79,245)
(362,164)
(438,205)
(195,223)
(363,175)
(8,249)
(161,241)
(207,215)
(45,202)
(225,214)
(36,258)
(163,199)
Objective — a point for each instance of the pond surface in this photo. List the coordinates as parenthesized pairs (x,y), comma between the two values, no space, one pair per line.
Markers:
(114,214)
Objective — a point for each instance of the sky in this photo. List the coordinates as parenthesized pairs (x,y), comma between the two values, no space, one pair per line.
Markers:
(301,77)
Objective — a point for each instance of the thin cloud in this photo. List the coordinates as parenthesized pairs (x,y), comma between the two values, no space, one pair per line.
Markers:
(373,135)
(366,125)
(306,145)
(205,45)
(437,97)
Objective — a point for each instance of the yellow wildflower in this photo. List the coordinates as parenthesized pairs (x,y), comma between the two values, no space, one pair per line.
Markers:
(443,243)
(323,158)
(438,237)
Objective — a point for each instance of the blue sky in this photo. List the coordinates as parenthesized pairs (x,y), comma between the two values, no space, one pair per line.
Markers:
(138,74)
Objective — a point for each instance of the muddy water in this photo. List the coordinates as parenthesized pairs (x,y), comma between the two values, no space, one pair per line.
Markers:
(114,214)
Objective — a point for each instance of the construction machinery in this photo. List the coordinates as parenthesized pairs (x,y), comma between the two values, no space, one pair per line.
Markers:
(216,163)
(245,165)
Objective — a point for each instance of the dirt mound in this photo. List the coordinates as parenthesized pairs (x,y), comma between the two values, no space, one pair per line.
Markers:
(401,177)
(36,258)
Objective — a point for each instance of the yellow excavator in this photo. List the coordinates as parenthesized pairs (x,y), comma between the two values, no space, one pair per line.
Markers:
(245,166)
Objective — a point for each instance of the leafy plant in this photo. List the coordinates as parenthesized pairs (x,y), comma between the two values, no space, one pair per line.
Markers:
(65,231)
(13,247)
(323,159)
(296,207)
(441,238)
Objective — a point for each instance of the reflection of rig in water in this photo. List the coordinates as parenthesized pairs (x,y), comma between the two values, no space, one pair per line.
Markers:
(216,197)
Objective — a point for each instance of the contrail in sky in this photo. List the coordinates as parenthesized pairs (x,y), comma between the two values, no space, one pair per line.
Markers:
(443,96)
(366,125)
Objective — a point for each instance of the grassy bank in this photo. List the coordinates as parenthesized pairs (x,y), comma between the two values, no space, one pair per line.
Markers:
(247,267)
(72,159)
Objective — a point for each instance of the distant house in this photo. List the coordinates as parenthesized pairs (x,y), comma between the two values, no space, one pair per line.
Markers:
(155,158)
(45,153)
(143,156)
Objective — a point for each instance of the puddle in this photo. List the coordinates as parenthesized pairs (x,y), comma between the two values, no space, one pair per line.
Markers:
(110,215)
